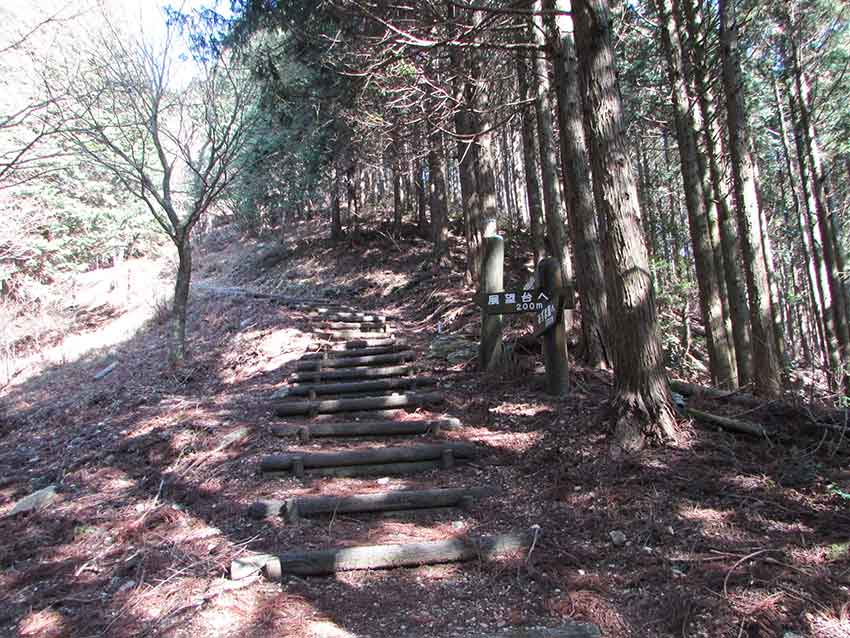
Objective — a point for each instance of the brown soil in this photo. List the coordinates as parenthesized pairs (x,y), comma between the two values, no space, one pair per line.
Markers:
(726,536)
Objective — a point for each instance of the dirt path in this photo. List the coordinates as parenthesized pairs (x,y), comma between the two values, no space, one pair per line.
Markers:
(723,536)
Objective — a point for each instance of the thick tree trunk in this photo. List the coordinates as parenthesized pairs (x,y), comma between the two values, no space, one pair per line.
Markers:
(641,405)
(181,298)
(552,202)
(579,192)
(481,120)
(765,360)
(732,273)
(695,178)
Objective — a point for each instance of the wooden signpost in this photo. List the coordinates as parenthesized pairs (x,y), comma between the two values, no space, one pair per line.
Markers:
(548,302)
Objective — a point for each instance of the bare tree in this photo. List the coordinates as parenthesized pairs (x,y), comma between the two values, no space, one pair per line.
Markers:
(174,142)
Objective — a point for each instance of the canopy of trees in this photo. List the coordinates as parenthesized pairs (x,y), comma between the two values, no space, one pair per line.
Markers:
(655,147)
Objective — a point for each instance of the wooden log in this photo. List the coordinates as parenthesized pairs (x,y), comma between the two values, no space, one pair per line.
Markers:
(366,428)
(351,316)
(347,374)
(348,334)
(358,352)
(375,385)
(350,325)
(463,548)
(246,566)
(807,415)
(348,471)
(366,343)
(735,425)
(371,456)
(293,508)
(329,406)
(550,279)
(353,362)
(491,280)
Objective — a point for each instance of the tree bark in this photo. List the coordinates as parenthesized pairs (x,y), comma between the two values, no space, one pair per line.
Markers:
(479,100)
(695,178)
(766,366)
(641,406)
(579,192)
(177,356)
(529,152)
(817,184)
(552,202)
(732,273)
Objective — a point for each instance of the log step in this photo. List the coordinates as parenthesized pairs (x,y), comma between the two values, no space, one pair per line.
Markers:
(353,362)
(378,469)
(348,317)
(352,352)
(348,374)
(401,454)
(366,428)
(375,385)
(330,406)
(349,313)
(366,343)
(348,334)
(400,500)
(348,325)
(462,548)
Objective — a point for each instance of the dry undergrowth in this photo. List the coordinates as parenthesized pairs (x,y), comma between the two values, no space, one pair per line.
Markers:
(725,536)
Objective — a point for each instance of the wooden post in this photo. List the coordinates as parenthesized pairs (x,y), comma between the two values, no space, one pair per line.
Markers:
(492,280)
(550,280)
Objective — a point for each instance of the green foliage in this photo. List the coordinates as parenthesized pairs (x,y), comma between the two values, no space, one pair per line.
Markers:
(74,221)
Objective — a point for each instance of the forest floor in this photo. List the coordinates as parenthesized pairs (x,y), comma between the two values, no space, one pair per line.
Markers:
(722,535)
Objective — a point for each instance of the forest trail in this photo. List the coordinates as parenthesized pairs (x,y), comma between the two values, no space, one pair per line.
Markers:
(159,482)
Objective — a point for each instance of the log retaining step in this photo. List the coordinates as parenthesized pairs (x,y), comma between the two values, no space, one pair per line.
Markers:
(292,461)
(355,352)
(330,406)
(348,334)
(348,317)
(353,387)
(348,374)
(366,343)
(366,428)
(353,362)
(379,469)
(325,326)
(463,548)
(400,500)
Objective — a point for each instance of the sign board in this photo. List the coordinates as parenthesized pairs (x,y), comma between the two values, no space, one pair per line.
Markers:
(545,319)
(511,302)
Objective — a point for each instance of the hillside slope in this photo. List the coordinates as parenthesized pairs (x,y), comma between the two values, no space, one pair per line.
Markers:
(156,468)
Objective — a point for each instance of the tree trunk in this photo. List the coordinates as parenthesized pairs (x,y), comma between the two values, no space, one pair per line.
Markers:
(765,361)
(439,205)
(336,222)
(817,185)
(579,193)
(695,178)
(819,293)
(177,356)
(552,203)
(732,273)
(529,153)
(481,120)
(641,405)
